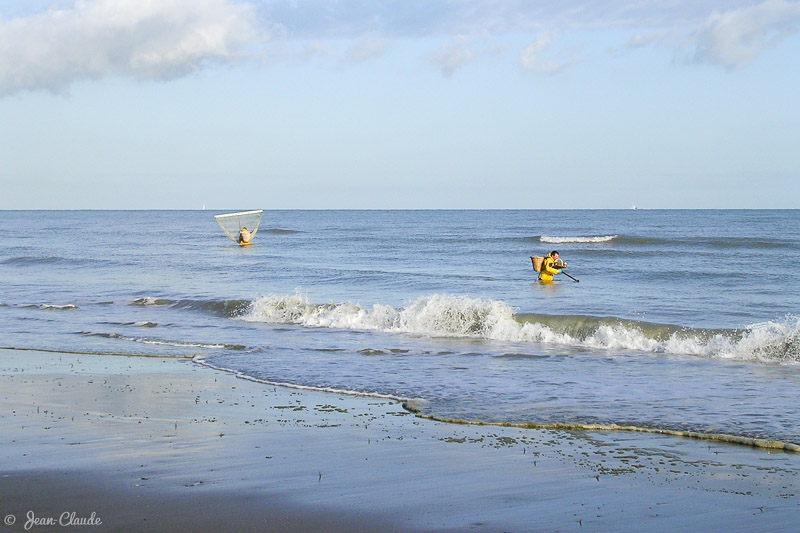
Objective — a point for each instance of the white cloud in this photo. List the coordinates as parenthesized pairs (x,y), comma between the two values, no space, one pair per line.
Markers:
(163,39)
(531,58)
(451,57)
(313,19)
(146,39)
(641,40)
(734,38)
(311,51)
(731,39)
(367,48)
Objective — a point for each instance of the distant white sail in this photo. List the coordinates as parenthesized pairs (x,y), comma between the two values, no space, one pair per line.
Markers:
(233,223)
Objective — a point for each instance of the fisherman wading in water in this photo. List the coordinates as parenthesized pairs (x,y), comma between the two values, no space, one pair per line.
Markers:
(551,266)
(244,237)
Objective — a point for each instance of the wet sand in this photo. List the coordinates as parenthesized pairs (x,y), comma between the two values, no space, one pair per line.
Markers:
(144,444)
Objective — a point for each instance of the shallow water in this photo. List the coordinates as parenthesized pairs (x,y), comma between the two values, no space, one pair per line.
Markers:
(682,320)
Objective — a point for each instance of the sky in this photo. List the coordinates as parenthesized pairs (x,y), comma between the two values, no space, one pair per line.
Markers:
(399,104)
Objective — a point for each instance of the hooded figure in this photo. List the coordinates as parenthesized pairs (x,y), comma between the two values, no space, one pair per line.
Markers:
(548,270)
(244,237)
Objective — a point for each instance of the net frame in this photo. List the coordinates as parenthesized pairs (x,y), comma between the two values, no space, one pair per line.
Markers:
(232,223)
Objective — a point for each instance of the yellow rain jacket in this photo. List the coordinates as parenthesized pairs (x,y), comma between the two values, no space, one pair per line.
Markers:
(547,272)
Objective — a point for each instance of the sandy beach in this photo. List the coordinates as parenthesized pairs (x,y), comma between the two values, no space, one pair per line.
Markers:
(271,266)
(111,443)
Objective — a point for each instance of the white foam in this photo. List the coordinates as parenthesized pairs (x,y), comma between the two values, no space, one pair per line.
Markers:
(560,240)
(58,307)
(176,344)
(150,300)
(769,340)
(443,315)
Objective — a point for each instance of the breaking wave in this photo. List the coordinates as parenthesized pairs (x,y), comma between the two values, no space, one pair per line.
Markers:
(462,316)
(137,324)
(748,243)
(226,308)
(148,300)
(52,307)
(561,240)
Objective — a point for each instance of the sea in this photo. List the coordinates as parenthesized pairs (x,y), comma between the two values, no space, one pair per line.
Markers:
(676,322)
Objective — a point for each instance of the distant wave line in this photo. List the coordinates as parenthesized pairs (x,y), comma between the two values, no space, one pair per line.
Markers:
(50,260)
(280,231)
(51,307)
(588,239)
(638,240)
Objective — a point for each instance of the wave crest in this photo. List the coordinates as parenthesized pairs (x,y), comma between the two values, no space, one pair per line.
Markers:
(443,315)
(226,308)
(281,231)
(588,239)
(436,315)
(150,300)
(54,307)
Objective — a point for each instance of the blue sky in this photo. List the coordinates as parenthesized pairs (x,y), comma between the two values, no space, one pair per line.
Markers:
(131,104)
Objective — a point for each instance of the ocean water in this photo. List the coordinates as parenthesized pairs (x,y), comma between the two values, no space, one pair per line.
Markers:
(686,322)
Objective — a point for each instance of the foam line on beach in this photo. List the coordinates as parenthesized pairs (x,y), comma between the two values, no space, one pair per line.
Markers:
(409,405)
(566,426)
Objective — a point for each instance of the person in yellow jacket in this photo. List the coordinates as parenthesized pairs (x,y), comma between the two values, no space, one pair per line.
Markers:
(549,267)
(244,237)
